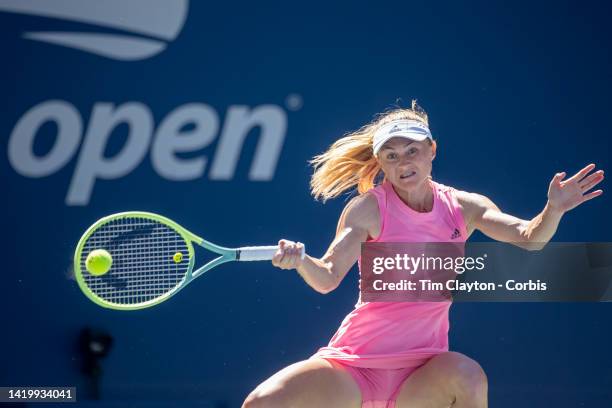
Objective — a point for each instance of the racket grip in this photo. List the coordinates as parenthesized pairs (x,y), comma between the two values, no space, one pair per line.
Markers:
(260,253)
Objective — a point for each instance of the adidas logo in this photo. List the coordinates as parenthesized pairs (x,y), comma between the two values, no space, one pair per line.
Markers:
(456,234)
(395,128)
(143,27)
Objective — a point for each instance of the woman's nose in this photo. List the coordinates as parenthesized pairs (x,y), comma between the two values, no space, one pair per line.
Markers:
(404,160)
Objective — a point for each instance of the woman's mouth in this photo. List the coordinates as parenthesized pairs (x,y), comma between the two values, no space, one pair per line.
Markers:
(408,174)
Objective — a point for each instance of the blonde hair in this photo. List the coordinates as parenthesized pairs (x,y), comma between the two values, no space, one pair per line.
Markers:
(349,162)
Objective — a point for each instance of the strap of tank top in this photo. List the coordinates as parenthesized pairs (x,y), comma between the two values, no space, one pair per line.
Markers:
(455,208)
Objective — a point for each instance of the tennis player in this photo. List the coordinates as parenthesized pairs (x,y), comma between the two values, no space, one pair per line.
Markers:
(395,354)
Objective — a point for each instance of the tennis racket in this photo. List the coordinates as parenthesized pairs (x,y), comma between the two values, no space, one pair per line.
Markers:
(152,259)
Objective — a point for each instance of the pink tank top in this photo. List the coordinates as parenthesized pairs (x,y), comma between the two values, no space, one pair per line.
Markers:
(400,334)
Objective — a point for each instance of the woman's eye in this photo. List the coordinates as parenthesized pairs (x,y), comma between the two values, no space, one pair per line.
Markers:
(392,156)
(412,151)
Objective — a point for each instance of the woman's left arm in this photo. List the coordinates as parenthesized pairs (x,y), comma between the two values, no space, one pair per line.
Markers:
(563,195)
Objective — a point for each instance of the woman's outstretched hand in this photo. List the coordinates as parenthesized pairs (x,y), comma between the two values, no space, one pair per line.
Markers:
(289,254)
(563,195)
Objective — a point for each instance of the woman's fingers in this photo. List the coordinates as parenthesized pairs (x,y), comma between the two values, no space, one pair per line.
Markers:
(580,175)
(288,255)
(288,259)
(300,249)
(557,178)
(277,259)
(591,195)
(591,180)
(294,253)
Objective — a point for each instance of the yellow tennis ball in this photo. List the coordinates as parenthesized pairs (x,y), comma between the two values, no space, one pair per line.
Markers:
(178,257)
(98,262)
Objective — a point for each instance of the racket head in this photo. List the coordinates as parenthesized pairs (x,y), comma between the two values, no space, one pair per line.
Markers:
(144,271)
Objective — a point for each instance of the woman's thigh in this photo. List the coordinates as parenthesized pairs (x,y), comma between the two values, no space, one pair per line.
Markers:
(449,379)
(309,383)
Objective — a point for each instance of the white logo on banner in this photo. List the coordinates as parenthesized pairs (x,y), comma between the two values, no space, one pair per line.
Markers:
(148,25)
(187,129)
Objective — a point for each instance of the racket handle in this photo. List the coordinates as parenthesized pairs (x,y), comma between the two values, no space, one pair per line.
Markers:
(260,253)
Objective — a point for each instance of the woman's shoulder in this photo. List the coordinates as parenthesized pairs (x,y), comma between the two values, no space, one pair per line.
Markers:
(363,205)
(469,202)
(461,198)
(363,211)
(458,193)
(466,199)
(444,187)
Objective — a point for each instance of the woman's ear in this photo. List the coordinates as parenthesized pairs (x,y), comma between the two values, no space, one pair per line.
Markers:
(434,146)
(378,161)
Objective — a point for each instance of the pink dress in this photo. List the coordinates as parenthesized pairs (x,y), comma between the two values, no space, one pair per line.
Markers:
(381,343)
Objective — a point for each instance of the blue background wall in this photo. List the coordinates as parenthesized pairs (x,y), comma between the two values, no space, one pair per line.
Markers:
(515,93)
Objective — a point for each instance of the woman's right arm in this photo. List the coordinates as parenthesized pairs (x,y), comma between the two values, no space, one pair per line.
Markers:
(358,220)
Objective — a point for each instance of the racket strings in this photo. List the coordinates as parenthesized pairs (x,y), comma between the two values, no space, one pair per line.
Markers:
(144,267)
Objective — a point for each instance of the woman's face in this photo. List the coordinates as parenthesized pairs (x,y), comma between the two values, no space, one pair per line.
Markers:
(406,163)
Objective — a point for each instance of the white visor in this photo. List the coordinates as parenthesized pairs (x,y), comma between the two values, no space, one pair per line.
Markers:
(410,129)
